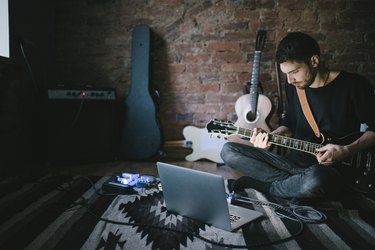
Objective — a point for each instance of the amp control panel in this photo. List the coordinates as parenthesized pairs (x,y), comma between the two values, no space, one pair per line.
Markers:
(80,94)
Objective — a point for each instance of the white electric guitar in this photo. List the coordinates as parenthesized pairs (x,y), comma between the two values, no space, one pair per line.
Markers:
(203,145)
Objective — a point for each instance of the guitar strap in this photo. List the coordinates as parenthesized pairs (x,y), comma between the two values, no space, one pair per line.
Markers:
(307,111)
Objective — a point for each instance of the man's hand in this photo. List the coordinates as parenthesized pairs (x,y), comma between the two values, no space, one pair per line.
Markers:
(259,139)
(331,153)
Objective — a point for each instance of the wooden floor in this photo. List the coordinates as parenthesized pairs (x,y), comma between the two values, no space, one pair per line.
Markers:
(171,154)
(140,167)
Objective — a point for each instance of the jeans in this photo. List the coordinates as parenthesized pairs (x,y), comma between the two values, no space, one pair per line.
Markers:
(289,176)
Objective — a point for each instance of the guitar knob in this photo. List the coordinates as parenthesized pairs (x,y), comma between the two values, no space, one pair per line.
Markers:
(370,186)
(357,182)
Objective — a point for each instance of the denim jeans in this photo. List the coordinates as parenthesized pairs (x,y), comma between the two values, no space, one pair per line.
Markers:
(289,176)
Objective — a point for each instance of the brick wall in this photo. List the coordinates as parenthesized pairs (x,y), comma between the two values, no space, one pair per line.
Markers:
(202,51)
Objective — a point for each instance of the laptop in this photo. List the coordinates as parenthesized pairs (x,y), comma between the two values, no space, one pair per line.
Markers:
(201,196)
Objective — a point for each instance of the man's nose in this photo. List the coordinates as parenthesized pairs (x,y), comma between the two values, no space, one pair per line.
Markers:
(289,78)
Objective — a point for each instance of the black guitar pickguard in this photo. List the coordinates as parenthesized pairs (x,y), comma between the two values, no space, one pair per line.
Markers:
(141,135)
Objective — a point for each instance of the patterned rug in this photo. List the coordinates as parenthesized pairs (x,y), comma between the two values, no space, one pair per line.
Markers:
(73,213)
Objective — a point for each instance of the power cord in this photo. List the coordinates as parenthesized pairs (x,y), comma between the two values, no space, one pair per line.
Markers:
(28,65)
(193,234)
(305,214)
(298,214)
(190,233)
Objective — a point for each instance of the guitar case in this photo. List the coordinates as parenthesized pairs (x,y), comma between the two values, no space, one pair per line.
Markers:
(141,135)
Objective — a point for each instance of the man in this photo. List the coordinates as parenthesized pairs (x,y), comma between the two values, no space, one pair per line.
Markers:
(340,102)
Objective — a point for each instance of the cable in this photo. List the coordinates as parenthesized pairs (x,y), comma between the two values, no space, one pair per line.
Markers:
(78,114)
(194,234)
(295,214)
(305,214)
(260,244)
(21,43)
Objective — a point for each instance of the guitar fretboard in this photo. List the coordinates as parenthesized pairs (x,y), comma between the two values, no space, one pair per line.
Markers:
(304,146)
(254,82)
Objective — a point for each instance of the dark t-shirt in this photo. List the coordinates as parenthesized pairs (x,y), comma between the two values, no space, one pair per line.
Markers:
(338,108)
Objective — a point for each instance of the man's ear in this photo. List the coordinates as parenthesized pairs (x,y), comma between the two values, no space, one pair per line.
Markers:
(315,60)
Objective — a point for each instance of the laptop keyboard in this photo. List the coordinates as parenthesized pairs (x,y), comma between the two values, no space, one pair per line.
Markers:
(234,218)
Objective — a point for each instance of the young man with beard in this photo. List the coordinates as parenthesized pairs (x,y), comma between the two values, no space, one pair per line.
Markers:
(340,102)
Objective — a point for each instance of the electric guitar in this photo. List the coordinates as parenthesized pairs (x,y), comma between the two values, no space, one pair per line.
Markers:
(253,109)
(361,166)
(203,145)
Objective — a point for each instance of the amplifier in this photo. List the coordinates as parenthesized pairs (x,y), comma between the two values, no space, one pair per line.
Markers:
(81,94)
(82,126)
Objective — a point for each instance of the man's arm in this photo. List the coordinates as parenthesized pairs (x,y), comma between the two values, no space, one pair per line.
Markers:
(332,153)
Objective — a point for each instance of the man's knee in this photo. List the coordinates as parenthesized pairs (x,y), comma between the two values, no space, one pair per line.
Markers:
(321,181)
(227,150)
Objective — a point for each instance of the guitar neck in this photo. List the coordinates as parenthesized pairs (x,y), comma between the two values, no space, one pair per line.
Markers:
(287,142)
(255,81)
(256,66)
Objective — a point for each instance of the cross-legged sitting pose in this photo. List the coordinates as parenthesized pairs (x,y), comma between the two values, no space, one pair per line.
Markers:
(340,102)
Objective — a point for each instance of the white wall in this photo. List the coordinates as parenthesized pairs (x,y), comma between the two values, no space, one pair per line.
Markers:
(4,28)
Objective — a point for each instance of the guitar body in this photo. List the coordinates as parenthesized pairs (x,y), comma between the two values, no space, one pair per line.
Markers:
(141,135)
(359,171)
(204,145)
(247,119)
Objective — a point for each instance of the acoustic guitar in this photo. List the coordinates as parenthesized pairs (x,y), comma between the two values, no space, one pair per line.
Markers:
(253,109)
(360,168)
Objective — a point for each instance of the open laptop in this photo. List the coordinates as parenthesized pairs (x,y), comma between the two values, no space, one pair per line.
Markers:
(201,196)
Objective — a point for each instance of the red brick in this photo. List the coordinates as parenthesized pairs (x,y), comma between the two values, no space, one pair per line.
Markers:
(238,35)
(203,88)
(293,4)
(170,2)
(223,46)
(200,68)
(227,57)
(196,58)
(246,14)
(176,68)
(236,67)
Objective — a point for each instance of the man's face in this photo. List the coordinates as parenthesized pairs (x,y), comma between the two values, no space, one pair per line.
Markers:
(299,74)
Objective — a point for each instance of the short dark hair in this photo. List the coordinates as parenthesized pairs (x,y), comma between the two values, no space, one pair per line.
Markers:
(297,46)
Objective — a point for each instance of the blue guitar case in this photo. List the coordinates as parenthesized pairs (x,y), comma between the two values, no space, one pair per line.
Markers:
(141,135)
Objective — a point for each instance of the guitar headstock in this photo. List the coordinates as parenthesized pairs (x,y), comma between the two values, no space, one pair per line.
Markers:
(260,40)
(218,127)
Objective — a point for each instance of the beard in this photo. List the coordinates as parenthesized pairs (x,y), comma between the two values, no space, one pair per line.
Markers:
(310,77)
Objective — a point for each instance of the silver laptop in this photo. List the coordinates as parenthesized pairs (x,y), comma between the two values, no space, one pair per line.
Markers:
(201,196)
